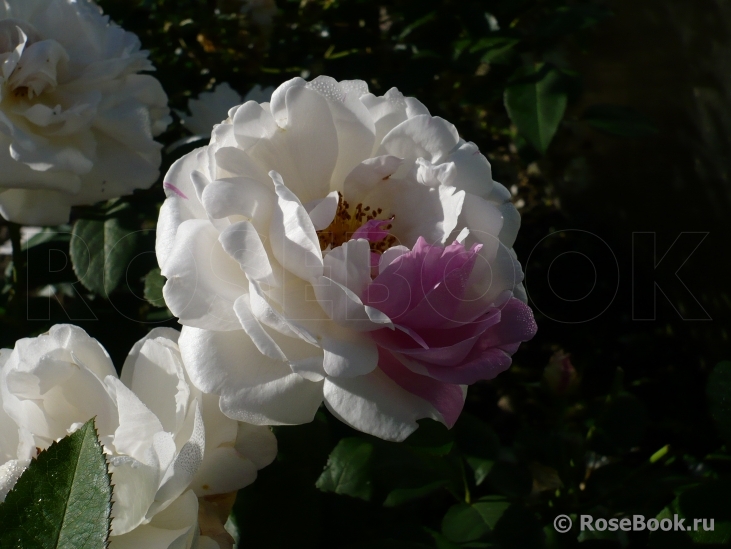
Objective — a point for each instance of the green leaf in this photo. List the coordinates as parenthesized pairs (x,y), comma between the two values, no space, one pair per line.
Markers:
(405,495)
(478,443)
(348,469)
(480,467)
(536,102)
(719,398)
(464,523)
(154,281)
(491,509)
(496,46)
(63,499)
(442,542)
(618,120)
(101,251)
(710,500)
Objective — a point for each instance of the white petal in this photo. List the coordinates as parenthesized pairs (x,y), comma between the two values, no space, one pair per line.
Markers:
(239,196)
(257,443)
(367,175)
(183,469)
(203,280)
(374,404)
(350,265)
(322,211)
(485,223)
(154,372)
(253,388)
(472,172)
(387,111)
(312,142)
(137,424)
(252,123)
(224,471)
(233,162)
(242,242)
(294,240)
(354,124)
(428,137)
(346,308)
(135,484)
(210,108)
(348,353)
(278,103)
(259,336)
(511,218)
(172,528)
(31,207)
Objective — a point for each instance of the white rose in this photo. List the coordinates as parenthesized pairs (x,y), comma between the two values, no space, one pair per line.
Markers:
(209,108)
(334,245)
(155,428)
(77,121)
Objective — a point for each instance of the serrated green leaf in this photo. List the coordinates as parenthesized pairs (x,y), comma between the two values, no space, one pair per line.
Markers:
(536,102)
(154,281)
(348,469)
(101,251)
(719,398)
(63,499)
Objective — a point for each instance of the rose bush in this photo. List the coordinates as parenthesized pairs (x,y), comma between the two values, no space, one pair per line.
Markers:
(175,459)
(334,245)
(77,121)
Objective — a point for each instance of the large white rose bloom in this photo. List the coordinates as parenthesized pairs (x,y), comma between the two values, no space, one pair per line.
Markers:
(334,245)
(77,121)
(173,455)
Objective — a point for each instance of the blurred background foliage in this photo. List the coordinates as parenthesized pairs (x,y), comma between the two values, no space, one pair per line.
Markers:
(605,118)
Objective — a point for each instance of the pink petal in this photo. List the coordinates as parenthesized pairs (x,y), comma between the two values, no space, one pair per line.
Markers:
(447,398)
(375,260)
(492,352)
(517,324)
(480,365)
(436,346)
(372,230)
(435,271)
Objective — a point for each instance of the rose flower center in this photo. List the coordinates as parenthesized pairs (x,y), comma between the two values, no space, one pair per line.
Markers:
(348,220)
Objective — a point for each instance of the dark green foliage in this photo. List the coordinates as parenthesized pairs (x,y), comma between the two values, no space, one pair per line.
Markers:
(719,398)
(101,249)
(348,469)
(154,281)
(644,427)
(536,101)
(63,500)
